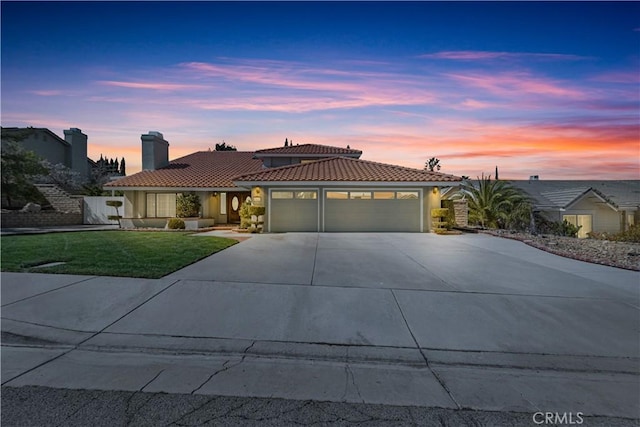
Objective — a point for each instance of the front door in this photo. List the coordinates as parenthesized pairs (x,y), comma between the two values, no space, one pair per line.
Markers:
(234,202)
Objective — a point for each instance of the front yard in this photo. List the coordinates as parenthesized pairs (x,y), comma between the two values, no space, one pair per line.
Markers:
(108,253)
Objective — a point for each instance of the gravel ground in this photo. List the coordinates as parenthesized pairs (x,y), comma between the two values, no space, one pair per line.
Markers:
(615,254)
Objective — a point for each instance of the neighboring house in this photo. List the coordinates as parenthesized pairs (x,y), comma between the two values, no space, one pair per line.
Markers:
(302,187)
(70,151)
(600,206)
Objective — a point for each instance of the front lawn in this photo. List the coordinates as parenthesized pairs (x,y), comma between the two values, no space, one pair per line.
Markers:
(108,253)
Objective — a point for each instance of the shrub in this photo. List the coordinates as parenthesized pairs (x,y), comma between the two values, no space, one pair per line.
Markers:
(115,204)
(176,224)
(451,214)
(565,228)
(245,216)
(247,211)
(630,235)
(187,205)
(256,210)
(437,214)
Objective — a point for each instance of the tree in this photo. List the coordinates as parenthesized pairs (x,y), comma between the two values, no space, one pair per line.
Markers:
(123,170)
(19,168)
(496,204)
(188,205)
(224,147)
(61,176)
(432,164)
(117,217)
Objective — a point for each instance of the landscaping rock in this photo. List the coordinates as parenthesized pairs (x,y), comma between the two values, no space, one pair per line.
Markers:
(606,252)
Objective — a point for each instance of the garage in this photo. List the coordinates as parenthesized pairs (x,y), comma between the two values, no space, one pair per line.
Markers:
(372,210)
(293,210)
(341,194)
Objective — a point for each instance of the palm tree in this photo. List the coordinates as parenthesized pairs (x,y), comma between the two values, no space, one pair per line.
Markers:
(496,204)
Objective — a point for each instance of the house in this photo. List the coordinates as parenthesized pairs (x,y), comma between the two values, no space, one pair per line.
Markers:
(595,205)
(304,187)
(70,151)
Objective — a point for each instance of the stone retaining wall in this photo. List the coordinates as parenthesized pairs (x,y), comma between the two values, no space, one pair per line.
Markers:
(39,219)
(461,211)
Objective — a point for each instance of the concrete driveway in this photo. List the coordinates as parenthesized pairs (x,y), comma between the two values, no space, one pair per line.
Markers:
(469,321)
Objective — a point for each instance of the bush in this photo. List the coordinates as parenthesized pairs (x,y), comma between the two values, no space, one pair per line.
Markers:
(451,214)
(437,214)
(256,210)
(188,205)
(631,235)
(565,228)
(245,216)
(176,224)
(247,211)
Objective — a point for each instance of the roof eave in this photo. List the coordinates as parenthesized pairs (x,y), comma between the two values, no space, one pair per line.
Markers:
(345,183)
(307,155)
(595,193)
(174,189)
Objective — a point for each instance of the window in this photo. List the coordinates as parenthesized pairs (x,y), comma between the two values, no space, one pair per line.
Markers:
(407,195)
(223,203)
(282,195)
(360,195)
(161,205)
(306,195)
(151,205)
(582,221)
(384,195)
(337,195)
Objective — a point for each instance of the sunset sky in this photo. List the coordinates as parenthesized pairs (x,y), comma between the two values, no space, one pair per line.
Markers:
(549,89)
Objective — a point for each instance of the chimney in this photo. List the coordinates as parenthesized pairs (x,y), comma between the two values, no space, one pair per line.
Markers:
(78,142)
(155,151)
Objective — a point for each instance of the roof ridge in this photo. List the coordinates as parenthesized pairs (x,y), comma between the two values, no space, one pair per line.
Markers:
(397,166)
(351,159)
(308,144)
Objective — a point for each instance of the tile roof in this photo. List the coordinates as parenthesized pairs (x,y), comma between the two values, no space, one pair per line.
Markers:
(203,169)
(563,198)
(337,169)
(561,193)
(309,149)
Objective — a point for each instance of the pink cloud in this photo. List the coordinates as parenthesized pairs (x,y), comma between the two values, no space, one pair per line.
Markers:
(630,77)
(517,83)
(150,85)
(474,104)
(46,92)
(480,55)
(300,77)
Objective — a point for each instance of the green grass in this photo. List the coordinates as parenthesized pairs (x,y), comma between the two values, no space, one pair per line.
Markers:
(108,253)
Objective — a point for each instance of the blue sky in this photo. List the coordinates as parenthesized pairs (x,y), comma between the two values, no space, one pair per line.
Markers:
(549,89)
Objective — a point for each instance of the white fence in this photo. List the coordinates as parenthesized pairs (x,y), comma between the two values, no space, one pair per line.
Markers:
(96,210)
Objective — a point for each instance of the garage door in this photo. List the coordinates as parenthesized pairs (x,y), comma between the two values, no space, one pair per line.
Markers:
(372,210)
(292,210)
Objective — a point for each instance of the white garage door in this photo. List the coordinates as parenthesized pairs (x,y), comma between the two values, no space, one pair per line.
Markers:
(374,210)
(293,210)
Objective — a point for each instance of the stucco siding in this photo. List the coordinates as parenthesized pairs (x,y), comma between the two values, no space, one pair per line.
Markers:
(604,218)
